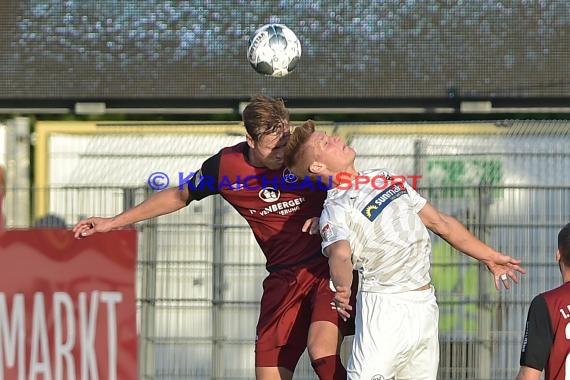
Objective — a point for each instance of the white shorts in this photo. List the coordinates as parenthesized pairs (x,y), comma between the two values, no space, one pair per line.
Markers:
(396,337)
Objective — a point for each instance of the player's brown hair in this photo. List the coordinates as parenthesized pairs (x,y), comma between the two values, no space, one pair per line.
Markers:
(264,115)
(295,155)
(564,244)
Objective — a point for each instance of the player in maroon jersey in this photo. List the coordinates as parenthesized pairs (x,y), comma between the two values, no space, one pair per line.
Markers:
(295,307)
(546,341)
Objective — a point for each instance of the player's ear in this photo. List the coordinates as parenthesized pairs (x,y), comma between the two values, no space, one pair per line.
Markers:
(316,167)
(558,255)
(250,141)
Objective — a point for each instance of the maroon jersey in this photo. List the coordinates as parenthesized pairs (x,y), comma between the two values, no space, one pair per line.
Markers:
(546,343)
(275,203)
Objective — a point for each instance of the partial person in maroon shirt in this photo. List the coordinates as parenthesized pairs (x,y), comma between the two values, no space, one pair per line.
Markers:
(546,341)
(281,209)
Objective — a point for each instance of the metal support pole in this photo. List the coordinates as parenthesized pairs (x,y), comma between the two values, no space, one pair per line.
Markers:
(217,291)
(18,195)
(487,294)
(147,261)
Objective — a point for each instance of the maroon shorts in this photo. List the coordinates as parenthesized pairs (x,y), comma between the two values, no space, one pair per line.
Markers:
(292,299)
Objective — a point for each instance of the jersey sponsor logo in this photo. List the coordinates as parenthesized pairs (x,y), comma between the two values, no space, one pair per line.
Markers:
(369,210)
(269,194)
(380,377)
(289,177)
(283,208)
(381,201)
(327,232)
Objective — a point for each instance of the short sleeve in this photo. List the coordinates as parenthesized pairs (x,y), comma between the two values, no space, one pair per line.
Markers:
(538,336)
(204,182)
(333,225)
(417,201)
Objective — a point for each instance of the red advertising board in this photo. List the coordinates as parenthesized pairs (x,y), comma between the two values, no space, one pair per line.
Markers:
(67,306)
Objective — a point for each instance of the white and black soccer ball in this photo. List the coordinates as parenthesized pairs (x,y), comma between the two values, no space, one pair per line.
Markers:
(274,50)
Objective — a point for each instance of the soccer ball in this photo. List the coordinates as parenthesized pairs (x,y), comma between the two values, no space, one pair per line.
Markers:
(274,50)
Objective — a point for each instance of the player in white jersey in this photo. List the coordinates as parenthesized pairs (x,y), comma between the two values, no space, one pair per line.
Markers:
(375,222)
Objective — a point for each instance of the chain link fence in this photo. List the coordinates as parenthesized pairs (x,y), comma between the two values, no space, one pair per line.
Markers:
(200,270)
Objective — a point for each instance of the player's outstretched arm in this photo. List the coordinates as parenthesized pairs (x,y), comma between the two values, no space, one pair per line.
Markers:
(527,373)
(161,203)
(447,227)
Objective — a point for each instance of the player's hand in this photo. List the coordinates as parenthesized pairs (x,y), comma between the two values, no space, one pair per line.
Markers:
(89,226)
(504,270)
(341,302)
(311,226)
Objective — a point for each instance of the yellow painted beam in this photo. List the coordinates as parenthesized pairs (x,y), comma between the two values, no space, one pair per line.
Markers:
(465,128)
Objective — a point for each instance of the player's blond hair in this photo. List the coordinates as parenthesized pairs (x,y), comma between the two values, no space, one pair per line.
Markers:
(298,154)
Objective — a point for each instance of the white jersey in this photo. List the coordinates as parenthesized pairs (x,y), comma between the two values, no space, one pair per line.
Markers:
(390,244)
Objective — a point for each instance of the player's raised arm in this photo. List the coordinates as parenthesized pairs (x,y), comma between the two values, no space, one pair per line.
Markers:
(161,203)
(447,227)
